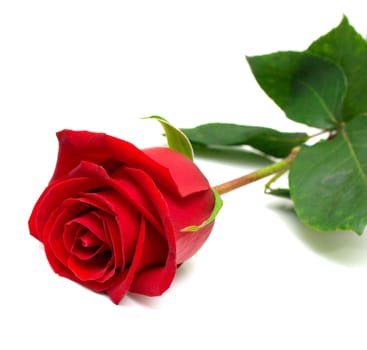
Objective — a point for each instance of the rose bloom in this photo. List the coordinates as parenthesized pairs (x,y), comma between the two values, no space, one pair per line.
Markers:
(112,215)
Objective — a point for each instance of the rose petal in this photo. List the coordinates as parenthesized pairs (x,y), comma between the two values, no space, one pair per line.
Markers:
(52,197)
(77,146)
(153,281)
(89,240)
(95,200)
(83,253)
(142,190)
(70,235)
(147,189)
(54,219)
(111,226)
(188,243)
(126,217)
(93,222)
(55,228)
(91,269)
(118,291)
(58,258)
(191,210)
(112,229)
(163,165)
(85,245)
(126,184)
(187,176)
(66,263)
(155,249)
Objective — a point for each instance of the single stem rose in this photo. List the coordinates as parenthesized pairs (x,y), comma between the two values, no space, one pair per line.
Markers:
(111,217)
(275,168)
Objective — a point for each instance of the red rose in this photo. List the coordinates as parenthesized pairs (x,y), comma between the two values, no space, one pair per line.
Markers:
(111,216)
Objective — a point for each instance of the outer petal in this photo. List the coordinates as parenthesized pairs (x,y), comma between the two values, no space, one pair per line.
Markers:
(184,172)
(191,210)
(153,280)
(77,146)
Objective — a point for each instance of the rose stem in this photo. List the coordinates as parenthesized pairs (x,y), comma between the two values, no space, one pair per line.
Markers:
(281,166)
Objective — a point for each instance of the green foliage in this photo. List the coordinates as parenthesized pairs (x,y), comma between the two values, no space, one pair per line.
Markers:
(324,87)
(345,47)
(309,89)
(328,181)
(269,141)
(279,192)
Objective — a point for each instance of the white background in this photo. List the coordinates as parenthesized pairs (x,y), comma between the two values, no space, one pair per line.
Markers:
(263,280)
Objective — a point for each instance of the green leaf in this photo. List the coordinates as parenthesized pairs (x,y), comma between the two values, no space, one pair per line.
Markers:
(328,181)
(344,46)
(269,141)
(217,206)
(309,88)
(278,192)
(176,139)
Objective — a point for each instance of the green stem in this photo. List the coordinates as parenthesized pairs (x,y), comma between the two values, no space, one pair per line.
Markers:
(275,168)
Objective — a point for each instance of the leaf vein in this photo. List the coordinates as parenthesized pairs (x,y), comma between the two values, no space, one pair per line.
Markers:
(354,156)
(320,100)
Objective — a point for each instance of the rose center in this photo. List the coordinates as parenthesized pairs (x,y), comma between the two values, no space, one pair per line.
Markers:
(89,240)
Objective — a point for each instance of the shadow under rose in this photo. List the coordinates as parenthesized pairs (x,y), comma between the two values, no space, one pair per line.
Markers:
(343,247)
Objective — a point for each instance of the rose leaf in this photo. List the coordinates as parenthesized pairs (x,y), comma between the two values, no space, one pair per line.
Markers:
(328,181)
(308,88)
(346,47)
(269,141)
(278,192)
